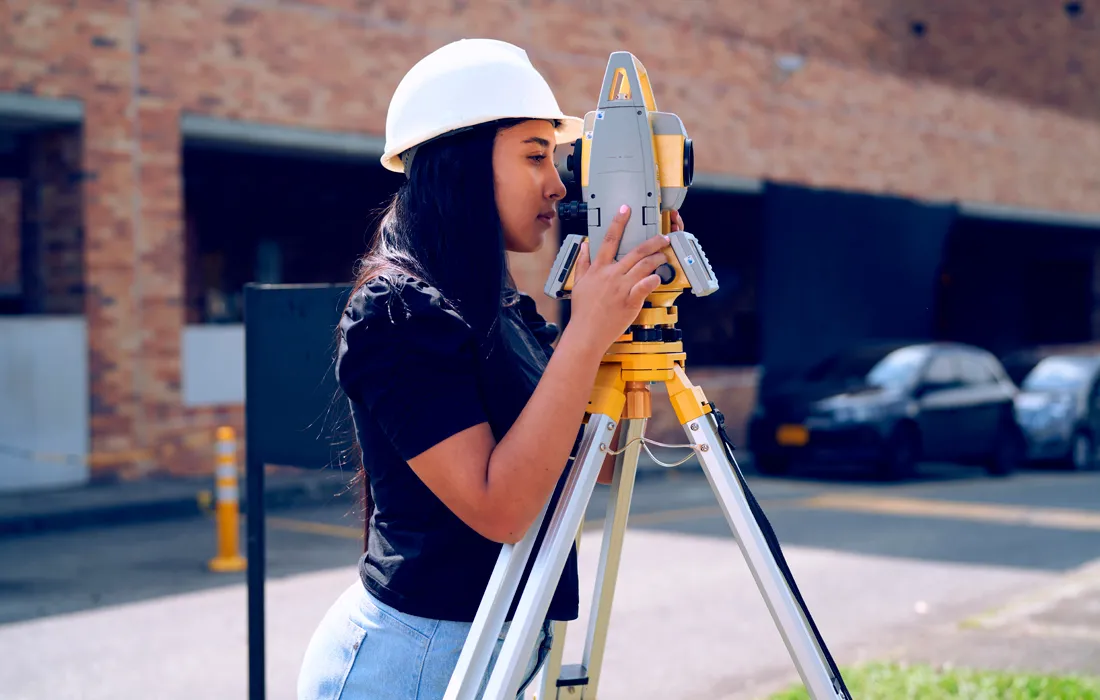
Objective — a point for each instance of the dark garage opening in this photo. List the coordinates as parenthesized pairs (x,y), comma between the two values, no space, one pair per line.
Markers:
(41,219)
(1008,285)
(287,218)
(274,218)
(723,329)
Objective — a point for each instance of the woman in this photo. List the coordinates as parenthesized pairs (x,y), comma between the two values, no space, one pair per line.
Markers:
(465,415)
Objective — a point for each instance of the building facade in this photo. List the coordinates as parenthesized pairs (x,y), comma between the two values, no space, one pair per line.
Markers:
(139,140)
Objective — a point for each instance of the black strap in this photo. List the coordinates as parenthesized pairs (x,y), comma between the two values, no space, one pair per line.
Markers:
(776,550)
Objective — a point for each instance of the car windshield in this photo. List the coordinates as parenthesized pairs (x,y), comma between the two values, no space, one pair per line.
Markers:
(1056,373)
(889,368)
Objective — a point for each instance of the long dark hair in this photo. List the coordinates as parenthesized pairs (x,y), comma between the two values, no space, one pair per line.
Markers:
(443,227)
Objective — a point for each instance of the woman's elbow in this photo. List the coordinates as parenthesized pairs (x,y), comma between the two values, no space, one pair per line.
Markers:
(502,528)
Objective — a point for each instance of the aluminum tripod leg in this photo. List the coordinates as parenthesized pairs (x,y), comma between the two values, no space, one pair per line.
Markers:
(530,613)
(807,655)
(550,560)
(473,662)
(585,677)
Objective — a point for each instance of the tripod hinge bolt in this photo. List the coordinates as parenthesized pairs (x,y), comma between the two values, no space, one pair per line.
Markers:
(611,425)
(704,448)
(694,426)
(603,447)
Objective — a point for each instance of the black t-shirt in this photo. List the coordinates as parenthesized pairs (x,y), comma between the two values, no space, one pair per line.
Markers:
(414,375)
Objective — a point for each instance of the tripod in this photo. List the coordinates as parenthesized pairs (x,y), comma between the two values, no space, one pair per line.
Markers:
(630,153)
(622,391)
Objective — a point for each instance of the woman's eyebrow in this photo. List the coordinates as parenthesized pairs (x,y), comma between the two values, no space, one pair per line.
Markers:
(539,140)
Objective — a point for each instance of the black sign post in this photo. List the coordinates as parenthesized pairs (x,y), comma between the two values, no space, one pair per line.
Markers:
(290,386)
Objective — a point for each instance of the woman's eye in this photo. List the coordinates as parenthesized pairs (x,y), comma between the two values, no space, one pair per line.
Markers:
(538,158)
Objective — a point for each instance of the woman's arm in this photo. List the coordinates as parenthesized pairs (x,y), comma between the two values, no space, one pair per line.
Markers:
(499,489)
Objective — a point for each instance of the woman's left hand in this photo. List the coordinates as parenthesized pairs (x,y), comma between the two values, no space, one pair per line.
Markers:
(677,222)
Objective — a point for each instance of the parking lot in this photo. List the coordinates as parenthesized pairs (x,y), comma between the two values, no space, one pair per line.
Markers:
(907,569)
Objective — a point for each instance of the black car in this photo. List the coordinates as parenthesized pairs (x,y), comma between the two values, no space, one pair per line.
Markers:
(889,406)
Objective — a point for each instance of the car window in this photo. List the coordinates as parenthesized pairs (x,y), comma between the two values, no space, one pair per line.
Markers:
(1059,373)
(941,370)
(973,371)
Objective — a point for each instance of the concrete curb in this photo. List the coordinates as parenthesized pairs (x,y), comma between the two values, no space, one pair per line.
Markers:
(152,501)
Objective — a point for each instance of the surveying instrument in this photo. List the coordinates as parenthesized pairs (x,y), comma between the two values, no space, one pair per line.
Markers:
(629,153)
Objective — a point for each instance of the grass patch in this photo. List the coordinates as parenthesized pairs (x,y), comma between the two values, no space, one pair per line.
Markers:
(891,681)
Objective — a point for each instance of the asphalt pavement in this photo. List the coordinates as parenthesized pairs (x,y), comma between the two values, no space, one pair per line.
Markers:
(953,567)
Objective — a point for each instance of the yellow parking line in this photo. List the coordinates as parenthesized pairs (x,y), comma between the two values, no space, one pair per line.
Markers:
(1056,518)
(354,533)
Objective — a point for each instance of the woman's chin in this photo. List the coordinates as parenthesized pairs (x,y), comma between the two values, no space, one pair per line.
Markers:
(529,244)
(536,243)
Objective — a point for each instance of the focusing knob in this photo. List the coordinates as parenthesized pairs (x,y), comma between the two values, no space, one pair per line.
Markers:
(666,273)
(572,165)
(567,211)
(689,162)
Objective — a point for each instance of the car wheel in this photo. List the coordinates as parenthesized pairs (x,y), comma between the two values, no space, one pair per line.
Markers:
(902,453)
(1007,454)
(772,465)
(1082,454)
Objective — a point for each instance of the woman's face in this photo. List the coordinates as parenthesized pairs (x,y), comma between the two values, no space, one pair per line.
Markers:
(528,187)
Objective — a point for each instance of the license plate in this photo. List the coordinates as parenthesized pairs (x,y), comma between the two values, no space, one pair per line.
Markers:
(792,435)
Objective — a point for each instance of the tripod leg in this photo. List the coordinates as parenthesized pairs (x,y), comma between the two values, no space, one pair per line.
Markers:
(481,640)
(550,560)
(811,659)
(586,675)
(618,509)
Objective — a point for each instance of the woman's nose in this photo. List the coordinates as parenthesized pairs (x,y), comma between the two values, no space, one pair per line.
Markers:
(557,187)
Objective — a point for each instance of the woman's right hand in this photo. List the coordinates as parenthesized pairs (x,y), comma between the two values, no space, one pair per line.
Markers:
(608,294)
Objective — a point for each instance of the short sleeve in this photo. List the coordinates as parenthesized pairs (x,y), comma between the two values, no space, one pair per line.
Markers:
(411,362)
(544,331)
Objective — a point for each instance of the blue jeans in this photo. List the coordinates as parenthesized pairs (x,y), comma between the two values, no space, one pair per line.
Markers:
(366,650)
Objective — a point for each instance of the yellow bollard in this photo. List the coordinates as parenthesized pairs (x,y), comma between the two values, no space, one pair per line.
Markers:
(227,510)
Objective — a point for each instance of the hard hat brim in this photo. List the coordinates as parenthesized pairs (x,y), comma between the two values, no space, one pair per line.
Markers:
(571,129)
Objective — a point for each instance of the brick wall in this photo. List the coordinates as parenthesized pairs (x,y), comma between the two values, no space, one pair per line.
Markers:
(1042,53)
(993,104)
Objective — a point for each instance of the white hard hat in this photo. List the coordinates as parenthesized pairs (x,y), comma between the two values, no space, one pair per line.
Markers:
(465,83)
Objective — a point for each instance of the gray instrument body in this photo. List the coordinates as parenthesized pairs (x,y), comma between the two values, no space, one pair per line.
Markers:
(622,170)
